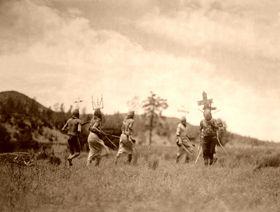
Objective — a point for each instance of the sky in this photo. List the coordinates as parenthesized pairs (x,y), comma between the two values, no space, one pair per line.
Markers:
(62,50)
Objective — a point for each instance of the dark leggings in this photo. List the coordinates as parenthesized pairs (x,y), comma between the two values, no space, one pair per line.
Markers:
(208,147)
(74,144)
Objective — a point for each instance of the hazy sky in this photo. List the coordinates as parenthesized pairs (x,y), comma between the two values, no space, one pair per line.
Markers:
(59,50)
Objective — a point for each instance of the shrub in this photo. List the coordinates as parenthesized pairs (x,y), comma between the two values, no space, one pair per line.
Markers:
(54,160)
(268,161)
(153,163)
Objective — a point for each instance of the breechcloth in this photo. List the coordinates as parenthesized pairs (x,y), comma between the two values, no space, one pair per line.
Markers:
(74,145)
(208,147)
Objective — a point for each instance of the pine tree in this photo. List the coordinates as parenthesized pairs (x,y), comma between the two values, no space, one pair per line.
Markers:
(153,107)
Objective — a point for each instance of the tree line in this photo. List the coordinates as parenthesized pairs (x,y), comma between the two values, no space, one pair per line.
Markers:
(27,117)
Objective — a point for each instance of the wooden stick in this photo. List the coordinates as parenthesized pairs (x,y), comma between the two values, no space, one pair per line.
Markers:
(199,152)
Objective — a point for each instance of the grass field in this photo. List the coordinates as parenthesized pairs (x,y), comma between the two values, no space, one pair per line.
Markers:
(152,183)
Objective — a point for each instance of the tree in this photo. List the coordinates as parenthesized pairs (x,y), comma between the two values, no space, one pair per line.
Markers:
(10,105)
(34,108)
(69,112)
(56,107)
(5,144)
(153,107)
(62,108)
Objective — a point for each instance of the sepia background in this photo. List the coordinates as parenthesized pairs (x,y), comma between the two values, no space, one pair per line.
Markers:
(55,52)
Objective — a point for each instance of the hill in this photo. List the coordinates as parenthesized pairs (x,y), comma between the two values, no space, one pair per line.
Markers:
(25,124)
(19,98)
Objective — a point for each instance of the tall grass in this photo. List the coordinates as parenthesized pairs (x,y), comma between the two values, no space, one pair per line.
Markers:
(153,182)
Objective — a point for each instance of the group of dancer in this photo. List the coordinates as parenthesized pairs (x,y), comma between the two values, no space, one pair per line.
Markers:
(208,135)
(210,131)
(96,145)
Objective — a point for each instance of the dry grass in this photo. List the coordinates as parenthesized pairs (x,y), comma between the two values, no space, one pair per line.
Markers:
(152,183)
(271,160)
